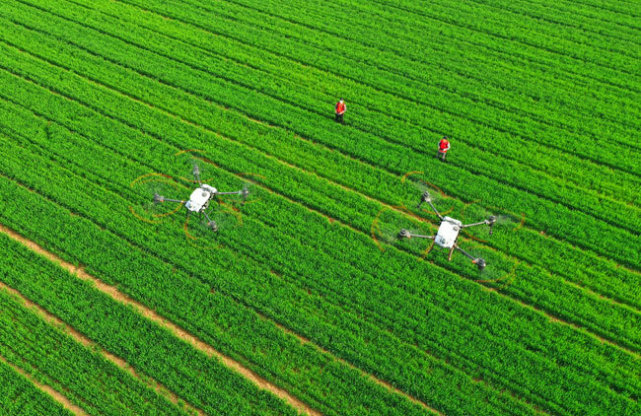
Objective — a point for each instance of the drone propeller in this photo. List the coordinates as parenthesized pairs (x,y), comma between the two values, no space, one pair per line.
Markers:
(150,202)
(480,263)
(431,199)
(425,198)
(244,193)
(210,223)
(196,172)
(495,221)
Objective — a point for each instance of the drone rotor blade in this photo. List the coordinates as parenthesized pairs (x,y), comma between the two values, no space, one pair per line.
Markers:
(196,172)
(210,223)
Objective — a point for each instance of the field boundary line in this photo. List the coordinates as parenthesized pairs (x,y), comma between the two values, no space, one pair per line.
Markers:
(149,314)
(48,390)
(85,341)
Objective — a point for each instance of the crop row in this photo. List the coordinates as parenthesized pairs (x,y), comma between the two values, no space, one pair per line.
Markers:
(134,34)
(89,380)
(303,221)
(18,396)
(594,12)
(310,100)
(570,15)
(537,48)
(283,152)
(385,127)
(267,290)
(370,219)
(201,380)
(245,236)
(361,68)
(504,105)
(558,39)
(314,377)
(371,209)
(430,37)
(459,77)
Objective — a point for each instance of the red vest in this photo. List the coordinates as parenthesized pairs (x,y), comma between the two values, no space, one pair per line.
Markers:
(444,145)
(340,108)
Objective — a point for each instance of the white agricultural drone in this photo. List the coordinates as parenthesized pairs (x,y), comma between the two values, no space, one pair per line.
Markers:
(448,232)
(201,197)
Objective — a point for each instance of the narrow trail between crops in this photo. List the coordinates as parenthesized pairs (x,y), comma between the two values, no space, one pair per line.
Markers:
(54,394)
(91,345)
(153,316)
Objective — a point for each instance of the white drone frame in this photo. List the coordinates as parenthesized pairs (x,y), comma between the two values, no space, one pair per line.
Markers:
(448,232)
(201,197)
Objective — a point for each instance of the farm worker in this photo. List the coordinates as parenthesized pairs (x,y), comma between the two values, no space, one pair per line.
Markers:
(443,147)
(340,110)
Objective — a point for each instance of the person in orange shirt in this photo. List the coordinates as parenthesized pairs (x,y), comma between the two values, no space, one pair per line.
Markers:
(443,147)
(340,110)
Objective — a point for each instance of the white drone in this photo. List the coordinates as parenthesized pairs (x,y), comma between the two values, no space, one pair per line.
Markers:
(448,232)
(201,197)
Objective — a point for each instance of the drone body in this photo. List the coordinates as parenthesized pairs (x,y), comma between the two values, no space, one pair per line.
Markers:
(201,197)
(448,232)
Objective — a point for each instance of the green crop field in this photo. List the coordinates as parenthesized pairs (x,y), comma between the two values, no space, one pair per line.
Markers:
(306,300)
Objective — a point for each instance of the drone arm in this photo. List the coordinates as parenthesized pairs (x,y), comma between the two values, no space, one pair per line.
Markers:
(229,193)
(474,224)
(471,257)
(158,198)
(429,237)
(435,210)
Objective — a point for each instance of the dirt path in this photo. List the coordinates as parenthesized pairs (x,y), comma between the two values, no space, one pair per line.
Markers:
(122,364)
(153,316)
(48,390)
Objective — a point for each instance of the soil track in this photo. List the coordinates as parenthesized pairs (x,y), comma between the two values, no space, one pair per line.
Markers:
(153,316)
(48,390)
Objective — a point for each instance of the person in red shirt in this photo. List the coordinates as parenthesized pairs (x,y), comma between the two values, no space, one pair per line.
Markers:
(340,110)
(443,147)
